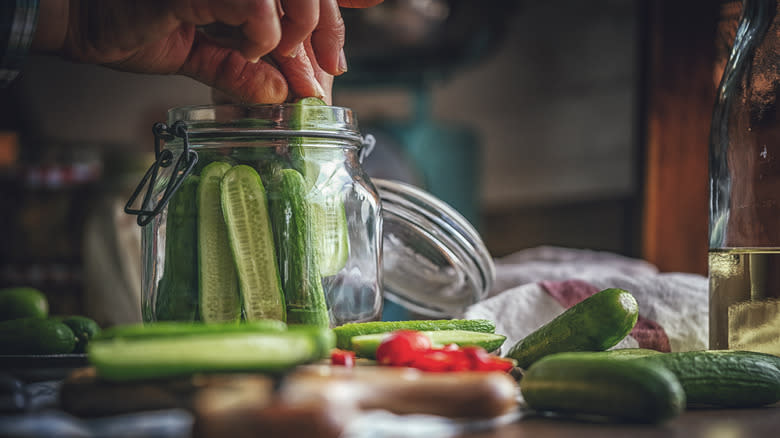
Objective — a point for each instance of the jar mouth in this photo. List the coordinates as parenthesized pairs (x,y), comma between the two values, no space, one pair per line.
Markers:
(284,119)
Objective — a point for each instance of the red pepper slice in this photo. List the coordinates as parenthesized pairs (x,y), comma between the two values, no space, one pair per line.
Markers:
(342,357)
(402,347)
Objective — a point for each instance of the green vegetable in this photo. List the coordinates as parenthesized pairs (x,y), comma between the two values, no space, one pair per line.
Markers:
(296,251)
(594,324)
(630,353)
(22,302)
(218,281)
(245,208)
(734,379)
(366,345)
(174,328)
(596,385)
(346,332)
(177,292)
(85,329)
(35,335)
(322,188)
(123,359)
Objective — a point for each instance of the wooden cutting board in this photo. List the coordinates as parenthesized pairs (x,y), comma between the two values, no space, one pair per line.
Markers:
(319,398)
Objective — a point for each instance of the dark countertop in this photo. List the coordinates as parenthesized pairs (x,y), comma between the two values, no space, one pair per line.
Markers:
(709,423)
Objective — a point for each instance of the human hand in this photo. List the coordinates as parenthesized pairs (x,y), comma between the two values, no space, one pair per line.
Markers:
(304,37)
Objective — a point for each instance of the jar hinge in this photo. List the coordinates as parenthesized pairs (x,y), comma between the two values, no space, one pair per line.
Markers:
(368,142)
(163,158)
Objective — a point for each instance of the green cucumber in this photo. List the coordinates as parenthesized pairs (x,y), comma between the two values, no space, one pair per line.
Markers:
(219,297)
(329,214)
(329,219)
(85,329)
(296,251)
(596,385)
(245,208)
(22,302)
(346,332)
(161,357)
(33,335)
(596,323)
(630,353)
(366,345)
(177,292)
(175,328)
(733,379)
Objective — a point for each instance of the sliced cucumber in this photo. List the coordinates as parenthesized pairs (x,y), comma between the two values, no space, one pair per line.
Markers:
(329,214)
(332,237)
(147,358)
(346,332)
(218,281)
(175,328)
(366,345)
(177,291)
(245,208)
(297,251)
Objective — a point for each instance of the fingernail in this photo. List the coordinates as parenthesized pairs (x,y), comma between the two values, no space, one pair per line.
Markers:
(320,90)
(254,60)
(342,61)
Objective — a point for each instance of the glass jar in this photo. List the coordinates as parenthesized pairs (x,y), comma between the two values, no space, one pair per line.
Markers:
(265,211)
(744,255)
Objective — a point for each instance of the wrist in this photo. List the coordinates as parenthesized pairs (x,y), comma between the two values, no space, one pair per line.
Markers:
(52,26)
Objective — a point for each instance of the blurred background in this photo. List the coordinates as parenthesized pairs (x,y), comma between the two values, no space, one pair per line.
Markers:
(569,123)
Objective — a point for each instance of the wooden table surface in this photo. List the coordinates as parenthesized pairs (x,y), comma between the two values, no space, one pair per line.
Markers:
(714,423)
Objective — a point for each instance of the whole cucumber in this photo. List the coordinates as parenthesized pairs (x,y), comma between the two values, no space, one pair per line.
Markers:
(594,324)
(734,379)
(596,385)
(36,336)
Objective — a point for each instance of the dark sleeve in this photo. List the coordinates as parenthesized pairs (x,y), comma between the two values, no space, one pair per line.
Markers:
(17,26)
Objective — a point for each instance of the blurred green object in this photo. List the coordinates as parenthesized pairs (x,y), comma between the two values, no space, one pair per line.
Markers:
(22,302)
(83,328)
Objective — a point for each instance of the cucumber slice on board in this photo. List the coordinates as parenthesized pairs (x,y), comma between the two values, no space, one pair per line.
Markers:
(366,345)
(245,208)
(166,329)
(148,358)
(218,281)
(297,251)
(346,332)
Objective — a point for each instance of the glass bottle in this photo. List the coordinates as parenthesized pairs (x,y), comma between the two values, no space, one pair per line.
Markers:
(744,254)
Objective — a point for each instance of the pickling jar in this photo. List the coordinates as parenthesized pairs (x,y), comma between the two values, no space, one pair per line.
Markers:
(265,211)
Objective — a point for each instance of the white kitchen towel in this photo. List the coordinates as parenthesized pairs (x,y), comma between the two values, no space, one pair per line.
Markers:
(535,285)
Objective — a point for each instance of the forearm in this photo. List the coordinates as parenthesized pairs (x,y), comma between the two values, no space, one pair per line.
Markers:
(52,26)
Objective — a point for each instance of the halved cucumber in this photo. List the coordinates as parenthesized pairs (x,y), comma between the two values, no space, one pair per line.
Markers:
(147,358)
(245,208)
(218,282)
(366,345)
(329,215)
(331,236)
(297,251)
(346,332)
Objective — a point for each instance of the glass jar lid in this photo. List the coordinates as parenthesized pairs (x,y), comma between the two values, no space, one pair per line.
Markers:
(433,260)
(263,120)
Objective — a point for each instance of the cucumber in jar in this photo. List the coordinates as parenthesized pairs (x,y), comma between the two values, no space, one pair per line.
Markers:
(177,291)
(297,252)
(323,190)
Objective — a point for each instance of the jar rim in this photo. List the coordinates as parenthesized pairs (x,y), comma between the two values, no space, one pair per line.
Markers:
(280,119)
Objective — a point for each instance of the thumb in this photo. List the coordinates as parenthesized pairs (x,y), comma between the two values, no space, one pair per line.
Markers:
(226,70)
